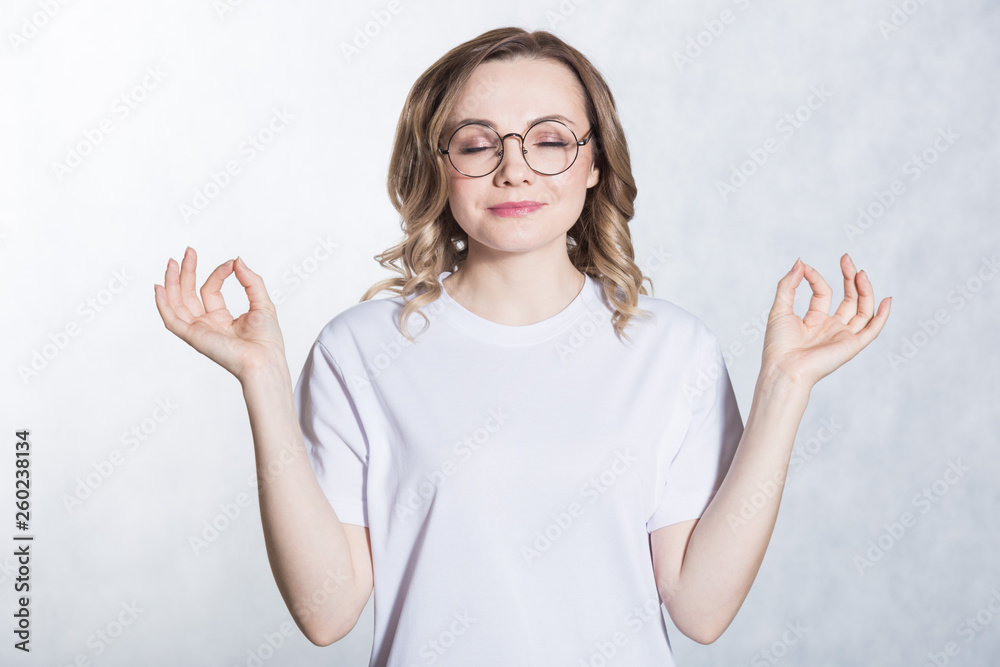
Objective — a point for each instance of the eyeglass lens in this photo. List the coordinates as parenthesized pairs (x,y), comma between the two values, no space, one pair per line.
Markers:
(549,148)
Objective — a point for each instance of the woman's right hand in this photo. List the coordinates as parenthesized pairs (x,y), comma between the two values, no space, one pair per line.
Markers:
(250,342)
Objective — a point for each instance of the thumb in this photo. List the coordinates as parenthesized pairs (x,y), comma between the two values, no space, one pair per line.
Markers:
(784,297)
(254,285)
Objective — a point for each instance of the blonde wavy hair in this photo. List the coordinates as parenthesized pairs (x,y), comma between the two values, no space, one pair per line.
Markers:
(598,244)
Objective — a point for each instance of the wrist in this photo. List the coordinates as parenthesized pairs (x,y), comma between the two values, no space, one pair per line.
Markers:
(774,380)
(269,373)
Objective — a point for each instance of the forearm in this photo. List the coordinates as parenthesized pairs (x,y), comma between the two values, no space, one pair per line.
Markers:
(307,548)
(728,543)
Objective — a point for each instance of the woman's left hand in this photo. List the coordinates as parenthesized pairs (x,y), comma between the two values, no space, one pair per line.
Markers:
(808,349)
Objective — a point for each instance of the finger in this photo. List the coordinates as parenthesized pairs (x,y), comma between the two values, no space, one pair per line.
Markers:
(171,283)
(211,291)
(254,284)
(188,264)
(874,326)
(849,306)
(866,301)
(784,297)
(171,321)
(819,304)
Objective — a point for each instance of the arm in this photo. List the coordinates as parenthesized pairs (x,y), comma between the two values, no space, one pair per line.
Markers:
(705,567)
(708,581)
(322,567)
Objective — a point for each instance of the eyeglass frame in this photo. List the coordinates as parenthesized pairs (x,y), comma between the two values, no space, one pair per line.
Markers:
(520,138)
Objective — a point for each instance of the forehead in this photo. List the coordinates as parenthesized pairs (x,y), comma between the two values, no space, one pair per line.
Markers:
(511,93)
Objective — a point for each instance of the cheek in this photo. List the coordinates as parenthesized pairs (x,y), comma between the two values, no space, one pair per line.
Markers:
(572,188)
(580,172)
(458,193)
(463,196)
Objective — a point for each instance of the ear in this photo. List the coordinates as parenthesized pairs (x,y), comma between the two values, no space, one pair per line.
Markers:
(594,175)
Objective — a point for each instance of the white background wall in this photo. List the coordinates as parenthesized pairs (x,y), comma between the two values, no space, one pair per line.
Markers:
(224,70)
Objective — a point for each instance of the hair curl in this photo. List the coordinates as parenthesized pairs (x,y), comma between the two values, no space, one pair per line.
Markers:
(598,244)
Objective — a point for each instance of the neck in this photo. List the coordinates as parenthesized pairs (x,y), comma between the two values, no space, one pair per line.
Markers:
(516,291)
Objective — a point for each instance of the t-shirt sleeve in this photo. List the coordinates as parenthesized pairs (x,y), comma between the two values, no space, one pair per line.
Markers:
(334,436)
(709,444)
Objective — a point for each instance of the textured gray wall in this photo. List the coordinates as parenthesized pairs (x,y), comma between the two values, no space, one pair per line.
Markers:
(909,101)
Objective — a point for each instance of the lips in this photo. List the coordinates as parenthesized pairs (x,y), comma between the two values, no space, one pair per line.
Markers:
(515,204)
(515,209)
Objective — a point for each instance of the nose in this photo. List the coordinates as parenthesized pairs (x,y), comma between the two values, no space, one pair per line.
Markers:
(511,168)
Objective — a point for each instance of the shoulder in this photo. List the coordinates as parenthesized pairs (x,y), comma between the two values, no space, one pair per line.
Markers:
(686,343)
(681,327)
(372,325)
(362,320)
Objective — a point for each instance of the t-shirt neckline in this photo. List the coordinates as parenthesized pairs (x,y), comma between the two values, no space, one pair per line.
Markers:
(525,334)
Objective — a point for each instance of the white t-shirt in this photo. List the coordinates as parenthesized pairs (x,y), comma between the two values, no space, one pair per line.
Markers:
(510,475)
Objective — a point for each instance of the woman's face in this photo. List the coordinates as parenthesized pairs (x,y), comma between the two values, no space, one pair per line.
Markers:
(509,96)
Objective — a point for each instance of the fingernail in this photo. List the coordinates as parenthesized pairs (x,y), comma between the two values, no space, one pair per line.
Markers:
(796,263)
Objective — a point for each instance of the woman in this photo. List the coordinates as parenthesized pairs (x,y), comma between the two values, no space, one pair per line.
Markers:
(555,452)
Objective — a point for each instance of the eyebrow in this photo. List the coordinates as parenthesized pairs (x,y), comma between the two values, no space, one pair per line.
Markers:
(531,122)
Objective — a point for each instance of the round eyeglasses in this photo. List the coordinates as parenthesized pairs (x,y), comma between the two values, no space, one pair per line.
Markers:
(549,148)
